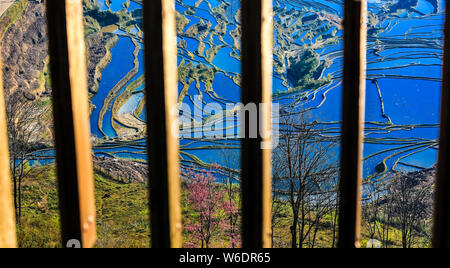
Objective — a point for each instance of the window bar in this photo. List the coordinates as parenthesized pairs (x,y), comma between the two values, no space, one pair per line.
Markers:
(257,49)
(441,232)
(71,121)
(355,36)
(163,147)
(7,216)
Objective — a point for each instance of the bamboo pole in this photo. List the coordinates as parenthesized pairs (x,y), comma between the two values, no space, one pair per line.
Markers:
(7,217)
(257,65)
(162,92)
(441,229)
(71,116)
(354,94)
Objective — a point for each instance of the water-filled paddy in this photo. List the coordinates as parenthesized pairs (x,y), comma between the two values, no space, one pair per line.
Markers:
(403,86)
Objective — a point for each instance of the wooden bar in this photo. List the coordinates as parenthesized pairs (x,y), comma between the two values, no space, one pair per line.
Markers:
(7,215)
(163,147)
(257,65)
(71,121)
(355,37)
(441,231)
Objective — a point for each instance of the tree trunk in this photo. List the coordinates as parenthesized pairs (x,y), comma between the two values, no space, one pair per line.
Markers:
(302,227)
(316,230)
(404,236)
(335,227)
(230,196)
(16,205)
(20,200)
(294,230)
(22,166)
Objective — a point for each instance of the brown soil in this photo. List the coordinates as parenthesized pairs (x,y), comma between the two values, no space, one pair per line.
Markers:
(125,171)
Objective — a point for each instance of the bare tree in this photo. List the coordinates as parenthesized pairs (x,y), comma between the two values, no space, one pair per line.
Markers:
(230,167)
(306,172)
(277,208)
(322,205)
(372,214)
(378,212)
(411,198)
(26,130)
(334,214)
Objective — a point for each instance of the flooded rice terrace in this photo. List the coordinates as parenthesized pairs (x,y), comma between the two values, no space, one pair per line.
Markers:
(403,82)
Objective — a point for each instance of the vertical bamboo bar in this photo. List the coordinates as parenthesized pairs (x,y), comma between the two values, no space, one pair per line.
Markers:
(267,37)
(162,91)
(71,121)
(441,232)
(257,57)
(7,217)
(354,93)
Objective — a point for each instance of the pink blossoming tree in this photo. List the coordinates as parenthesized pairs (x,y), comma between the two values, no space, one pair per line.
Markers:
(212,209)
(206,199)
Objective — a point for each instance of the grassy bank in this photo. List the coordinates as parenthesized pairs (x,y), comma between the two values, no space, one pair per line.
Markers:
(122,216)
(122,211)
